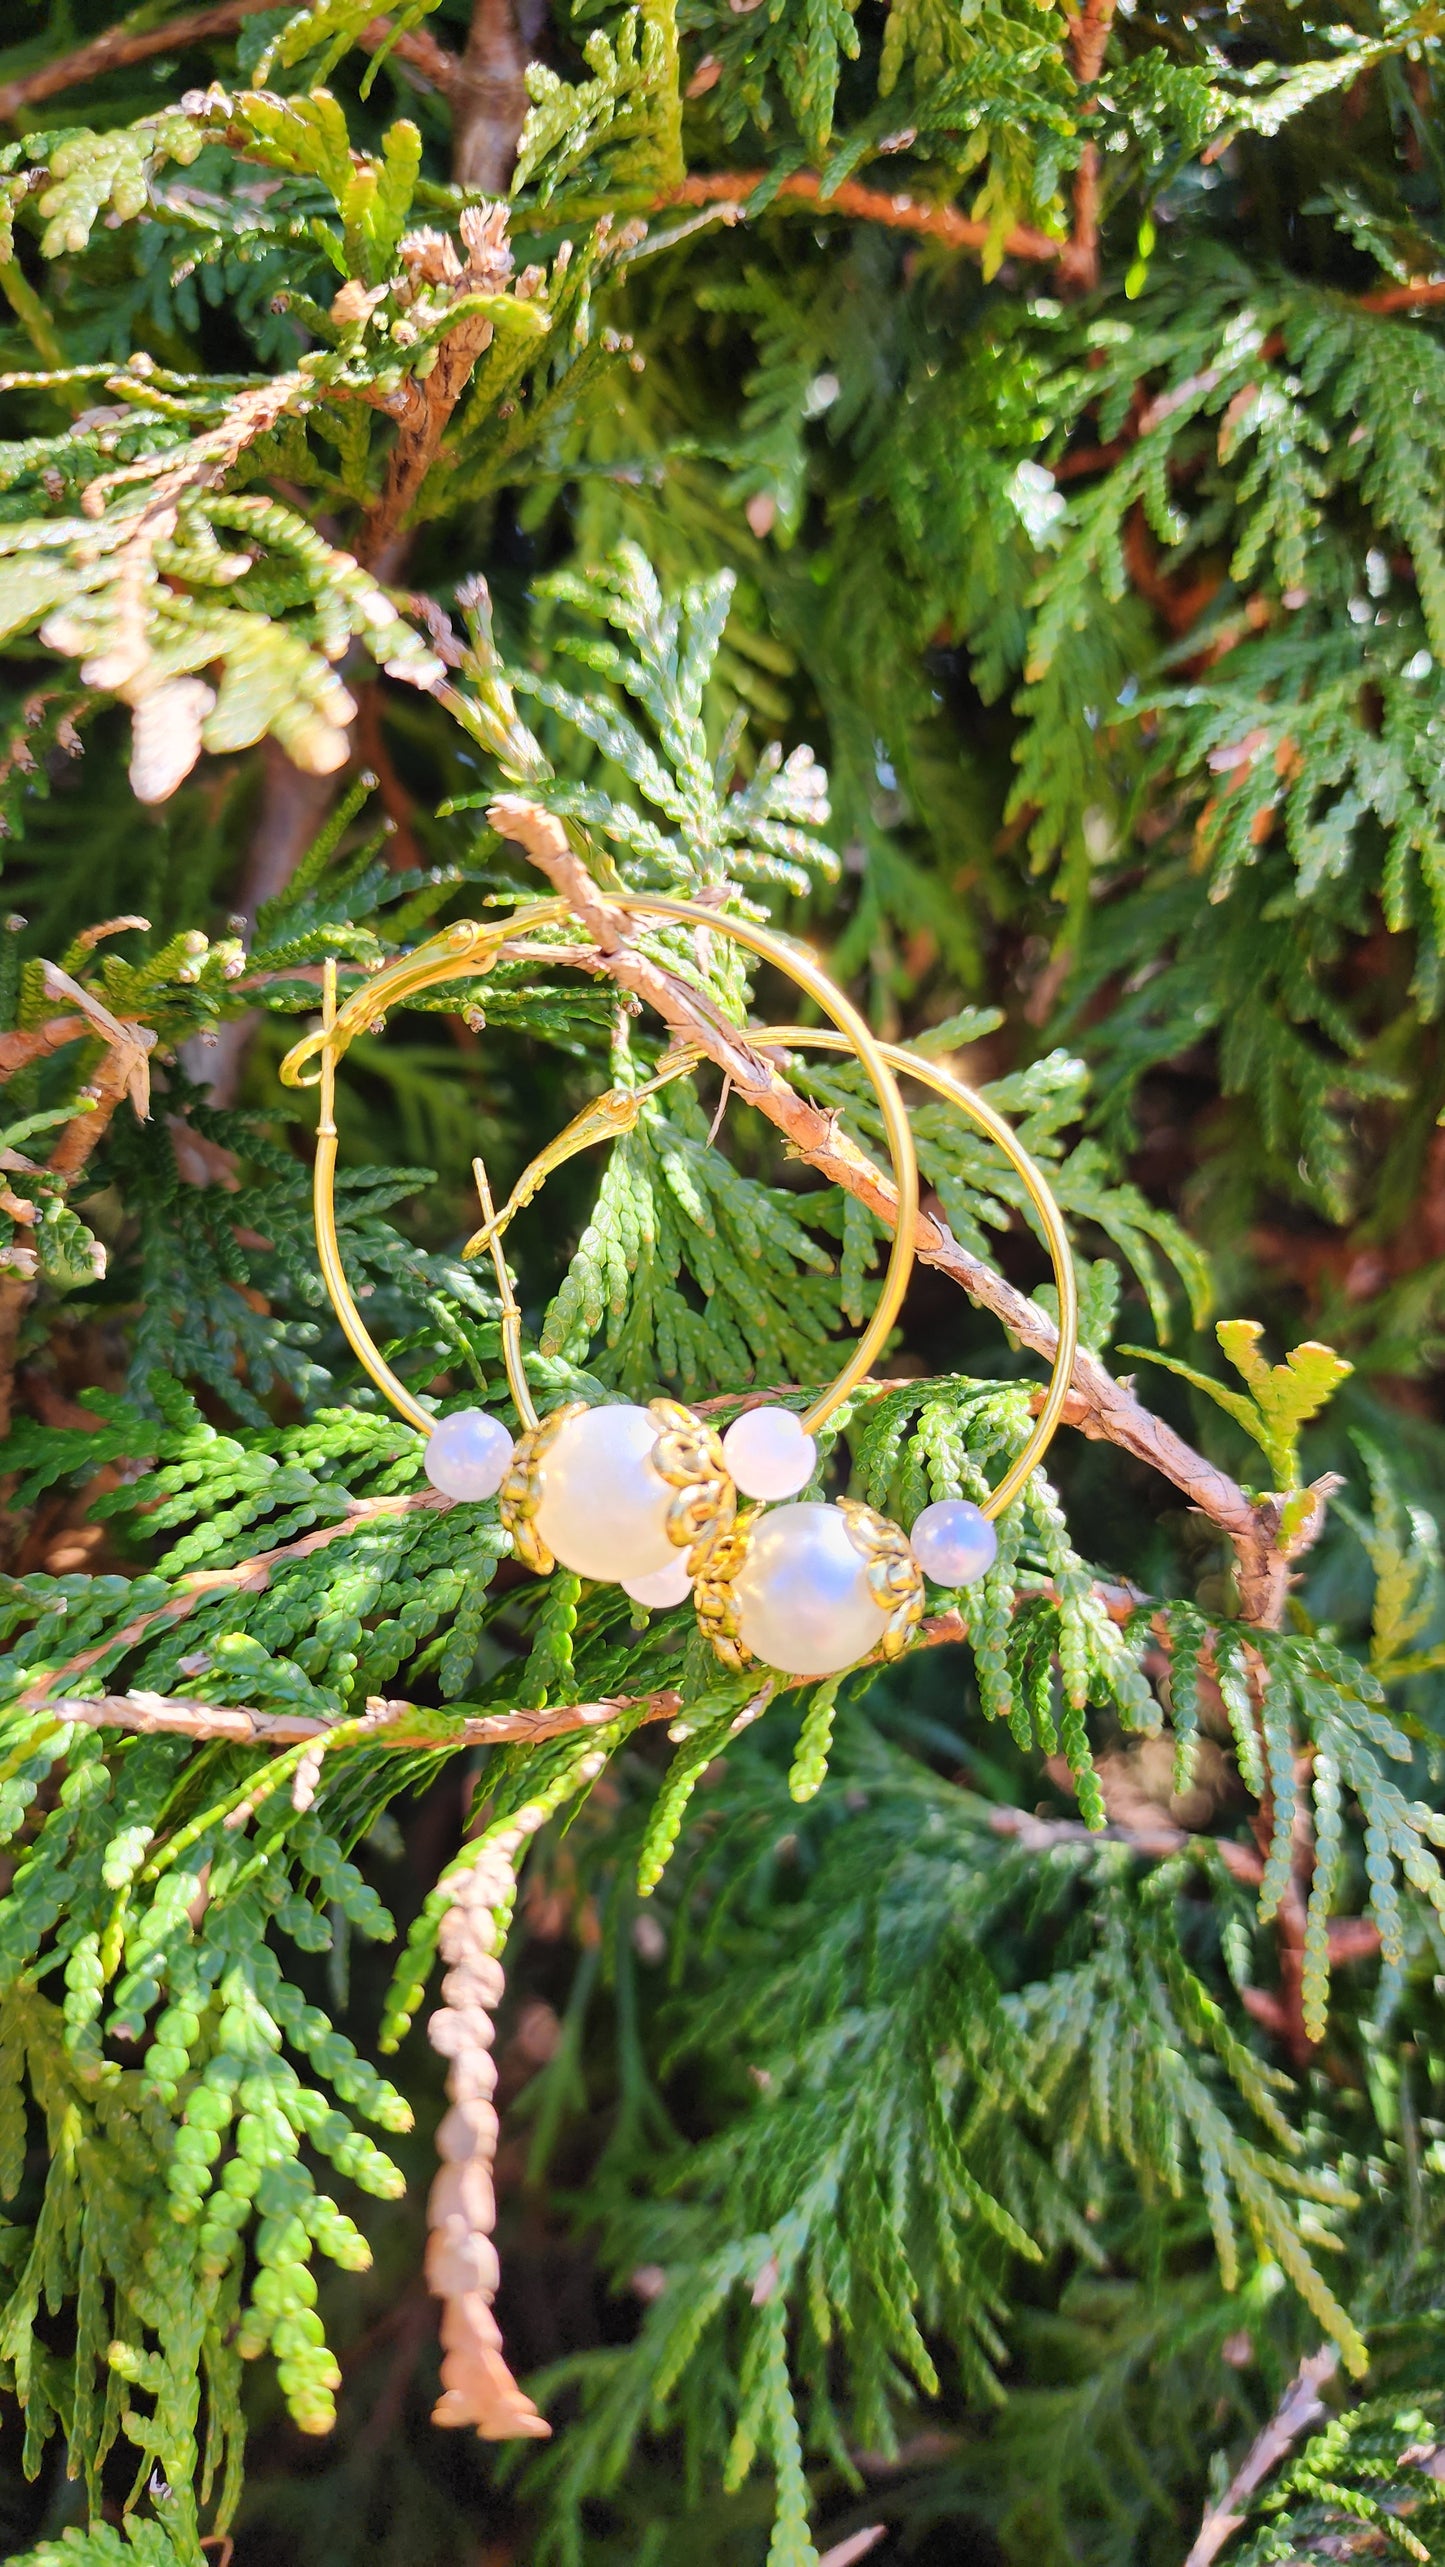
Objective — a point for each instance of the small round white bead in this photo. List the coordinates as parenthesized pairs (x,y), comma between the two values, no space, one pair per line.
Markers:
(802,1594)
(604,1508)
(768,1453)
(953,1542)
(671,1585)
(467,1454)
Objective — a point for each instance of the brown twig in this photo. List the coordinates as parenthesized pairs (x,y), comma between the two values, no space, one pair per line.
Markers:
(1089,40)
(120,47)
(1041,1835)
(1099,1406)
(177,1715)
(1404,298)
(79,1138)
(1299,2408)
(124,1071)
(246,1577)
(21,1050)
(423,409)
(898,213)
(489,97)
(292,809)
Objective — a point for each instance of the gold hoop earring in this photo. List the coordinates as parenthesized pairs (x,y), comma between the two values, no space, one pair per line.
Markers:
(810,1587)
(640,1495)
(752,1593)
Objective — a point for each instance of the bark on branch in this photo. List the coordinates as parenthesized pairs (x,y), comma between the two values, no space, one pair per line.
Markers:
(1299,2408)
(1089,42)
(425,406)
(898,213)
(488,94)
(120,47)
(124,1071)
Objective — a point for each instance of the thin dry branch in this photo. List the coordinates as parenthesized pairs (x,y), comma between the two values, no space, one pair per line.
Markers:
(1099,1406)
(1405,298)
(246,1577)
(151,1715)
(22,1049)
(1040,1835)
(77,1143)
(178,1715)
(292,809)
(1299,2408)
(124,1071)
(120,47)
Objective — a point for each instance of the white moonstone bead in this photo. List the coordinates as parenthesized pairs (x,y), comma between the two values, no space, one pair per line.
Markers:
(671,1585)
(802,1594)
(604,1507)
(768,1453)
(953,1542)
(467,1454)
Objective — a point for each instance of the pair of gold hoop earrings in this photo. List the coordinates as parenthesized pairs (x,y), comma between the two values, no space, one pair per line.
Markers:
(649,1496)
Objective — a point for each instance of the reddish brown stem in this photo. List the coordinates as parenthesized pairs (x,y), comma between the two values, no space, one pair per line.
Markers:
(489,97)
(1089,40)
(1299,2408)
(21,1050)
(292,809)
(179,1715)
(899,213)
(119,47)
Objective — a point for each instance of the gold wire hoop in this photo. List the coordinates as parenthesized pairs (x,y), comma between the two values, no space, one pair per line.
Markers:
(471,947)
(1056,1238)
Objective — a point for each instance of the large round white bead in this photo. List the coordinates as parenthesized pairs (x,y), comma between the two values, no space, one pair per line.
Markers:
(467,1454)
(768,1453)
(661,1587)
(802,1594)
(604,1507)
(953,1542)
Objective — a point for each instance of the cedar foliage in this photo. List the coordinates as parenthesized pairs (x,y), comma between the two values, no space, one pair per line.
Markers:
(1030,2053)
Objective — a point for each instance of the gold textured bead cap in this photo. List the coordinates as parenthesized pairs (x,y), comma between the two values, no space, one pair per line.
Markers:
(520,1496)
(895,1580)
(689,1456)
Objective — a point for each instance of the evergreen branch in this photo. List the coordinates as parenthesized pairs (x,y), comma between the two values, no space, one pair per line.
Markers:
(246,1577)
(1299,2408)
(122,46)
(866,205)
(1099,1407)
